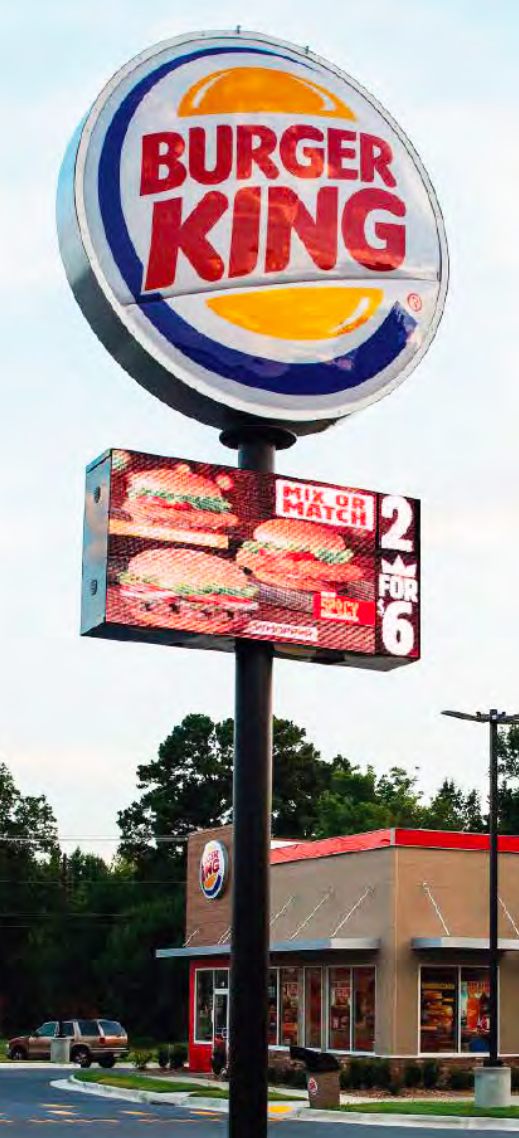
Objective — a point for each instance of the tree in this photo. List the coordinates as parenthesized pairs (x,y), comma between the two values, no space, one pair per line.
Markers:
(357,801)
(350,803)
(299,778)
(28,850)
(189,787)
(398,791)
(508,758)
(451,809)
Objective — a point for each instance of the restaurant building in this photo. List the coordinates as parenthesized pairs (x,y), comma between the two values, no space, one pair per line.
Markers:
(378,944)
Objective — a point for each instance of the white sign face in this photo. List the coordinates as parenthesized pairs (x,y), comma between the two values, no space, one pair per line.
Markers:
(249,232)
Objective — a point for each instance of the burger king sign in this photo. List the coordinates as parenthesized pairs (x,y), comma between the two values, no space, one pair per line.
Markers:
(213,870)
(250,234)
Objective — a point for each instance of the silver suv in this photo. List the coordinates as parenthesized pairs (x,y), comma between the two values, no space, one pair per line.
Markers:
(100,1040)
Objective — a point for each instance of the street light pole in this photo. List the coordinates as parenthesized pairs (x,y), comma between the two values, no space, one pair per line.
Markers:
(493,1056)
(494,718)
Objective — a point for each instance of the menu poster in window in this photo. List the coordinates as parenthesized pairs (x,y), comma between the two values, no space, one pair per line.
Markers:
(189,553)
(290,978)
(475,1009)
(364,1026)
(438,1010)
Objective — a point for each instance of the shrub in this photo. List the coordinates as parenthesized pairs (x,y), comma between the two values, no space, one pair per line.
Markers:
(345,1079)
(163,1057)
(272,1076)
(460,1080)
(412,1075)
(431,1074)
(395,1085)
(381,1074)
(178,1056)
(369,1073)
(515,1079)
(140,1059)
(284,1074)
(356,1070)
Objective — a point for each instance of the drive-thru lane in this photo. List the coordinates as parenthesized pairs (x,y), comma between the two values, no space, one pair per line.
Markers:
(30,1105)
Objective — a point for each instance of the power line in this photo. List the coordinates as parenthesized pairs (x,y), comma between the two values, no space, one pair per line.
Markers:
(102,881)
(160,838)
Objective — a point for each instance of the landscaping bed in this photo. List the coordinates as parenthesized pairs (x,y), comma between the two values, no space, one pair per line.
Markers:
(163,1085)
(462,1109)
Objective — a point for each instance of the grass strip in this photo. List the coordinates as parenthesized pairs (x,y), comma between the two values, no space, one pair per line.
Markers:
(162,1086)
(463,1109)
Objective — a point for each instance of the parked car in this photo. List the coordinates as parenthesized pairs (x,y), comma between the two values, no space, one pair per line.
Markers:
(91,1040)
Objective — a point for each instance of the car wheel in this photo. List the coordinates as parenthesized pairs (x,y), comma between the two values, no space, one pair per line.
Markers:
(82,1057)
(18,1053)
(107,1061)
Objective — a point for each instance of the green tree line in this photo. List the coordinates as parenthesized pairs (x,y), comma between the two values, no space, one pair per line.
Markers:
(78,935)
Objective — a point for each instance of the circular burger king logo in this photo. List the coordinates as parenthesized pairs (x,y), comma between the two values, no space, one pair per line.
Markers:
(213,870)
(249,231)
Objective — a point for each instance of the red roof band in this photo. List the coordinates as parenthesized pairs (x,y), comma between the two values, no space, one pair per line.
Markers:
(380,839)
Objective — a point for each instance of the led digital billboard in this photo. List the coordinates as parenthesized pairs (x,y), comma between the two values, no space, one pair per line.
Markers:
(190,553)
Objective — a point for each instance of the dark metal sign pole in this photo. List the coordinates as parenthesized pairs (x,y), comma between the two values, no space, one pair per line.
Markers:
(252,804)
(493,1057)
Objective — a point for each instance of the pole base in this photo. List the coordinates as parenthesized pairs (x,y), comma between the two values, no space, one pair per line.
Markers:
(492,1086)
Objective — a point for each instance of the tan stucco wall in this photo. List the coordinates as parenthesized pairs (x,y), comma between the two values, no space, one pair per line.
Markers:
(207,921)
(458,881)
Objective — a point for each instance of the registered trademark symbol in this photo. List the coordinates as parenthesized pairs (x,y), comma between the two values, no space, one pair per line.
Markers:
(415,302)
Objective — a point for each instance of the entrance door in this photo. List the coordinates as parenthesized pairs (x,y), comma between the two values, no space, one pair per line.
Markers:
(220,1015)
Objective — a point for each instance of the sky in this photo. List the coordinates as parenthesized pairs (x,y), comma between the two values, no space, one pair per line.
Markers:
(78,716)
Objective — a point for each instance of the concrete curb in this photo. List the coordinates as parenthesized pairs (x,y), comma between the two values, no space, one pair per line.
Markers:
(174,1098)
(428,1122)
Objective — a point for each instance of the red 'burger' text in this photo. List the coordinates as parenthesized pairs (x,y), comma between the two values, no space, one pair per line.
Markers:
(247,153)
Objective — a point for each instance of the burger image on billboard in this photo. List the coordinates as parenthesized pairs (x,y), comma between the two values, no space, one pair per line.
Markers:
(177,497)
(183,588)
(299,555)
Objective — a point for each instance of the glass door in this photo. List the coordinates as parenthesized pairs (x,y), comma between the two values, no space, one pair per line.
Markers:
(220,1015)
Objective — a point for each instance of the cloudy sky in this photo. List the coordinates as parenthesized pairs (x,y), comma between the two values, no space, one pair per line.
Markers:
(77,716)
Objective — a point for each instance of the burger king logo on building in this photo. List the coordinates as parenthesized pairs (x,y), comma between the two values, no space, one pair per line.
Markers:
(213,870)
(248,231)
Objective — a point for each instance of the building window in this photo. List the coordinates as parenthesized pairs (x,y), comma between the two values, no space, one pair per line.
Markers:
(439,1009)
(313,1007)
(221,979)
(204,1005)
(364,1005)
(340,1009)
(290,984)
(474,1009)
(273,1006)
(454,1009)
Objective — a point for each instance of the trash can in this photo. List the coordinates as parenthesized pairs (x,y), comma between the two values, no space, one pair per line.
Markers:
(60,1049)
(322,1077)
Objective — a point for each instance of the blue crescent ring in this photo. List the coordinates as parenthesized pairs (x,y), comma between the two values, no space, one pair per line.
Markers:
(349,370)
